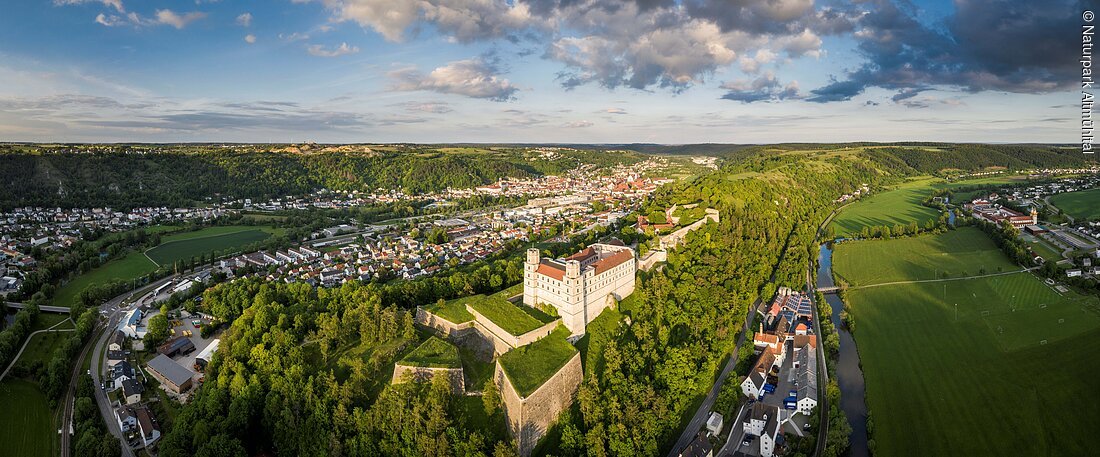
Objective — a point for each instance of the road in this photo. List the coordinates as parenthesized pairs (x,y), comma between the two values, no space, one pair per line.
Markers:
(25,343)
(115,312)
(823,367)
(700,417)
(701,414)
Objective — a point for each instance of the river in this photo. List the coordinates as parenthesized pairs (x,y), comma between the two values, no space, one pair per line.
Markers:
(849,375)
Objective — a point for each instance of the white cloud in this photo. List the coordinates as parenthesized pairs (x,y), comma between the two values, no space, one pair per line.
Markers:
(577,124)
(320,51)
(116,4)
(465,20)
(296,36)
(244,20)
(177,20)
(162,17)
(250,38)
(109,21)
(753,64)
(472,78)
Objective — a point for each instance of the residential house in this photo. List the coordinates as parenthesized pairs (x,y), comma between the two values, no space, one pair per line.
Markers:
(131,391)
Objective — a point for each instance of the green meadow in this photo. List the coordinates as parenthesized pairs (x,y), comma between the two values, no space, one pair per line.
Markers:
(27,425)
(184,246)
(899,206)
(1084,204)
(987,366)
(966,251)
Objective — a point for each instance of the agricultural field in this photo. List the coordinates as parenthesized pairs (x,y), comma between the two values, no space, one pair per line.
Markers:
(26,427)
(893,207)
(182,247)
(976,366)
(1083,204)
(966,251)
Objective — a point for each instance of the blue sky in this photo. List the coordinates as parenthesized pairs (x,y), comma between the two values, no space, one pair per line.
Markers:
(664,71)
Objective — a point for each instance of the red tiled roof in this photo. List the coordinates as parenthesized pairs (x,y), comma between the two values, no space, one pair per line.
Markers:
(613,261)
(548,270)
(583,255)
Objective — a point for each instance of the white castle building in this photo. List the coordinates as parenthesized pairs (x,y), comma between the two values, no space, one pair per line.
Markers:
(582,285)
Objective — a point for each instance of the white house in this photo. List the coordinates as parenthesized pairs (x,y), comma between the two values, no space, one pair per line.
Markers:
(126,417)
(118,339)
(131,391)
(131,325)
(767,438)
(714,423)
(806,379)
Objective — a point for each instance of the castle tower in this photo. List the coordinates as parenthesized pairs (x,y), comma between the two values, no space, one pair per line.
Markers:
(530,278)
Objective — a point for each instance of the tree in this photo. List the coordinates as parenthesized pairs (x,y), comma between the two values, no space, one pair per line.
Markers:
(157,332)
(490,397)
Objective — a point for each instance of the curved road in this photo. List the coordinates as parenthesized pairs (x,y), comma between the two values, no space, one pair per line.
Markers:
(114,310)
(703,411)
(29,337)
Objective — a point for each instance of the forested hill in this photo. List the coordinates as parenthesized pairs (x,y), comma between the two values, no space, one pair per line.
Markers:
(123,176)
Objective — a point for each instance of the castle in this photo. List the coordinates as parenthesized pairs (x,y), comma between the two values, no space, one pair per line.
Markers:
(582,285)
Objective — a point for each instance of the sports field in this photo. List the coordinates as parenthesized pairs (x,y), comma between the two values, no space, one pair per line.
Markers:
(962,252)
(26,425)
(183,246)
(893,207)
(1083,204)
(1009,374)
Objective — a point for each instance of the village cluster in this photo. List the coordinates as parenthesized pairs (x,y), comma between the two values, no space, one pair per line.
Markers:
(379,251)
(173,371)
(1069,237)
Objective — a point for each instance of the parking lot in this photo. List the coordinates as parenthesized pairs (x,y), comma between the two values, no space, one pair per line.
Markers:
(180,327)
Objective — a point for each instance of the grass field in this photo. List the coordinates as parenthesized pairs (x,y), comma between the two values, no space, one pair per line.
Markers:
(893,207)
(41,348)
(183,246)
(47,320)
(531,365)
(962,252)
(26,425)
(127,268)
(1008,376)
(433,352)
(514,319)
(1043,249)
(1083,204)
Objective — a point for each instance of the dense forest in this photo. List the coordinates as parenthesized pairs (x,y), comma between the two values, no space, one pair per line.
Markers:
(122,176)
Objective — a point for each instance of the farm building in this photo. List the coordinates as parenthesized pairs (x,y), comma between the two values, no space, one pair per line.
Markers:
(207,354)
(174,377)
(177,345)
